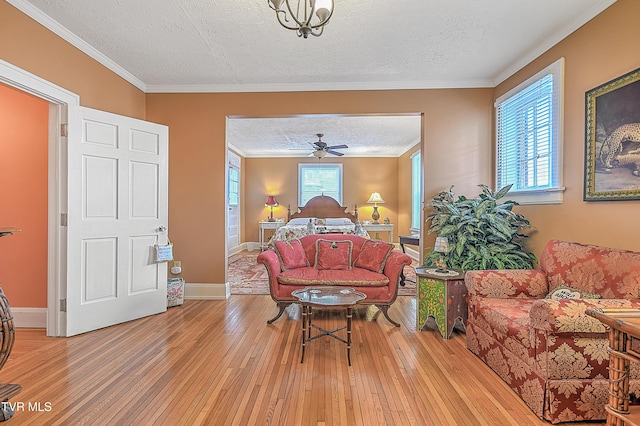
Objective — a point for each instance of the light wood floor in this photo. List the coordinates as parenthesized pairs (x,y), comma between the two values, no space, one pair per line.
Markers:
(218,363)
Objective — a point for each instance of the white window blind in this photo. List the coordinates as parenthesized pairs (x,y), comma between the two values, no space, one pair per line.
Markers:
(529,144)
(416,185)
(234,186)
(319,179)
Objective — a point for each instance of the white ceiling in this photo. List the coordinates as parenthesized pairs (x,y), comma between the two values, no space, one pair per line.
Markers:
(237,46)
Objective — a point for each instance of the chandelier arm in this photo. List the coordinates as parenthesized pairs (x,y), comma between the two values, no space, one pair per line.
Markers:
(294,16)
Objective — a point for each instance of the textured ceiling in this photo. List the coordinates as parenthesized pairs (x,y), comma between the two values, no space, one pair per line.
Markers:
(223,45)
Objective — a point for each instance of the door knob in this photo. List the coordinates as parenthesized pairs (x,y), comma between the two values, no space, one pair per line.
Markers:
(162,228)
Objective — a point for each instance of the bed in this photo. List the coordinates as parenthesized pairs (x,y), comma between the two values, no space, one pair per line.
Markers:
(321,215)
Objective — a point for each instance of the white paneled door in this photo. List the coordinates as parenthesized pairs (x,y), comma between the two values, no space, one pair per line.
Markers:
(117,212)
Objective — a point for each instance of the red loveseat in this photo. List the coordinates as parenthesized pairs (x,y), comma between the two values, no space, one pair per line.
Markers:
(547,349)
(369,266)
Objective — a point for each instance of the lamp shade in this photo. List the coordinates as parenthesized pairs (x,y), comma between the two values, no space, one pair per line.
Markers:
(442,245)
(271,201)
(375,198)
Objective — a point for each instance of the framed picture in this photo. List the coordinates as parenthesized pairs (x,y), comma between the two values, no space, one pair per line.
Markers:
(612,154)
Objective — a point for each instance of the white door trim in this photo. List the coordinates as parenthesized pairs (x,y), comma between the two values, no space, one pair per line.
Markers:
(59,99)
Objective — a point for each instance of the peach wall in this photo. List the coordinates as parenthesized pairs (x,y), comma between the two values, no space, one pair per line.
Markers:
(456,136)
(23,173)
(279,176)
(603,49)
(32,47)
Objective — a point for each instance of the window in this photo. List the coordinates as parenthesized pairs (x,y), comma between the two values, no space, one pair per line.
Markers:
(319,179)
(234,187)
(529,138)
(416,186)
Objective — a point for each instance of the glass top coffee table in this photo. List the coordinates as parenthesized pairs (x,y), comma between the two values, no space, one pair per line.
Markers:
(326,297)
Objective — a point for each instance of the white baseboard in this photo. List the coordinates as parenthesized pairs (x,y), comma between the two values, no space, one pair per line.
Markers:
(29,317)
(413,254)
(238,249)
(206,291)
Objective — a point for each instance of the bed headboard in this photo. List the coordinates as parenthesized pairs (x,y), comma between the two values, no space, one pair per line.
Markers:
(323,207)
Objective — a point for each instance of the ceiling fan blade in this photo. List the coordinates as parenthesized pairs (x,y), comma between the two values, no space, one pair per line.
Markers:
(338,153)
(337,147)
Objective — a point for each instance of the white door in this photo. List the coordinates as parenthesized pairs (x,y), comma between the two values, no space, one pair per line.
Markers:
(233,202)
(117,210)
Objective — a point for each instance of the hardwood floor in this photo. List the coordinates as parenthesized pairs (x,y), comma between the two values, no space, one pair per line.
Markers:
(219,363)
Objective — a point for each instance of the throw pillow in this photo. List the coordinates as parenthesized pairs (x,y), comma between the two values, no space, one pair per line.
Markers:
(333,254)
(374,255)
(564,291)
(291,255)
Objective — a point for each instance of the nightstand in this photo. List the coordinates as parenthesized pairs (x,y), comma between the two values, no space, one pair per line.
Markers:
(267,225)
(442,296)
(373,230)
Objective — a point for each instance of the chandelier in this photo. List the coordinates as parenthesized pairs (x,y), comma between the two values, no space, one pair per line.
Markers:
(302,19)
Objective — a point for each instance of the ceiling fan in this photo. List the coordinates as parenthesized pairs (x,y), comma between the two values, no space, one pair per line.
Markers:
(321,148)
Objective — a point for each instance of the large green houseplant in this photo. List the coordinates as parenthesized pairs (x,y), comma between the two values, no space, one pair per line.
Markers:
(483,233)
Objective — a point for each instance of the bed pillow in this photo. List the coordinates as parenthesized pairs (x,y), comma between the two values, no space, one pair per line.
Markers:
(301,221)
(338,221)
(373,256)
(333,254)
(291,255)
(563,291)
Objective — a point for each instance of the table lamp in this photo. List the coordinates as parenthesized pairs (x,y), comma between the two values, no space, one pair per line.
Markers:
(442,247)
(271,202)
(375,199)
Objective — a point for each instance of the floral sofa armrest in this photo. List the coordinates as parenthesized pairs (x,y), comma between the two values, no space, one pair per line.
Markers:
(269,259)
(507,283)
(568,315)
(395,263)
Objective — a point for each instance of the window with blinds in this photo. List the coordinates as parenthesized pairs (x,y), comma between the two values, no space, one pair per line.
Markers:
(416,186)
(529,138)
(319,179)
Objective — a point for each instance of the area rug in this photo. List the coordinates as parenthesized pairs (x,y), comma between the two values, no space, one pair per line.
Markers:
(246,276)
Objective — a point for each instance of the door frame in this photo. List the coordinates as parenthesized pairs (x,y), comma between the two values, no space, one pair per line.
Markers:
(59,101)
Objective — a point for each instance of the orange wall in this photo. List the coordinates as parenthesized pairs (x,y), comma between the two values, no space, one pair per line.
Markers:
(603,49)
(23,173)
(30,46)
(457,133)
(457,149)
(279,176)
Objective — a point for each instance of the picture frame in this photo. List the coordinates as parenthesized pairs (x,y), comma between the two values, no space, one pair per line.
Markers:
(612,145)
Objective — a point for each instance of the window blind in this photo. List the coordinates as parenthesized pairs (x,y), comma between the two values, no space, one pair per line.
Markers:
(527,137)
(320,179)
(416,184)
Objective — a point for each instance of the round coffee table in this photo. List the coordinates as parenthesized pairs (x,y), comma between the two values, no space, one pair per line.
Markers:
(326,297)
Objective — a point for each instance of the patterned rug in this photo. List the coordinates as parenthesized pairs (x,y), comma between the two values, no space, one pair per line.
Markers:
(246,276)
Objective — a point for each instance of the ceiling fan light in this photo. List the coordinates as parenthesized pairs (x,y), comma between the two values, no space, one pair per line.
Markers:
(319,154)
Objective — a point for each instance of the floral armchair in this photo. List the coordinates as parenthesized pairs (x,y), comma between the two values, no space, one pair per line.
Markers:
(549,351)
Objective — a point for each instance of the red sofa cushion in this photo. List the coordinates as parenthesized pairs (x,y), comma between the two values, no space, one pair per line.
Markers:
(331,254)
(356,277)
(291,254)
(374,255)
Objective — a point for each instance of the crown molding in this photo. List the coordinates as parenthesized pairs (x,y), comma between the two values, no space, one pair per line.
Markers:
(552,40)
(53,25)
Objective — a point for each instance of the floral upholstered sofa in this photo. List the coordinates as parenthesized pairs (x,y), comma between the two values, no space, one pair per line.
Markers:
(369,266)
(549,351)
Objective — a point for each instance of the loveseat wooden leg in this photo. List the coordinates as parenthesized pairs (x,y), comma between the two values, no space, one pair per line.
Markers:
(385,311)
(282,306)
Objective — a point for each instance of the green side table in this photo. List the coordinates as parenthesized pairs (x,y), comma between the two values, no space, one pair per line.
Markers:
(442,296)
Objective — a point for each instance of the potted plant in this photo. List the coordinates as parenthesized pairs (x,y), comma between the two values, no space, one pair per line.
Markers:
(483,233)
